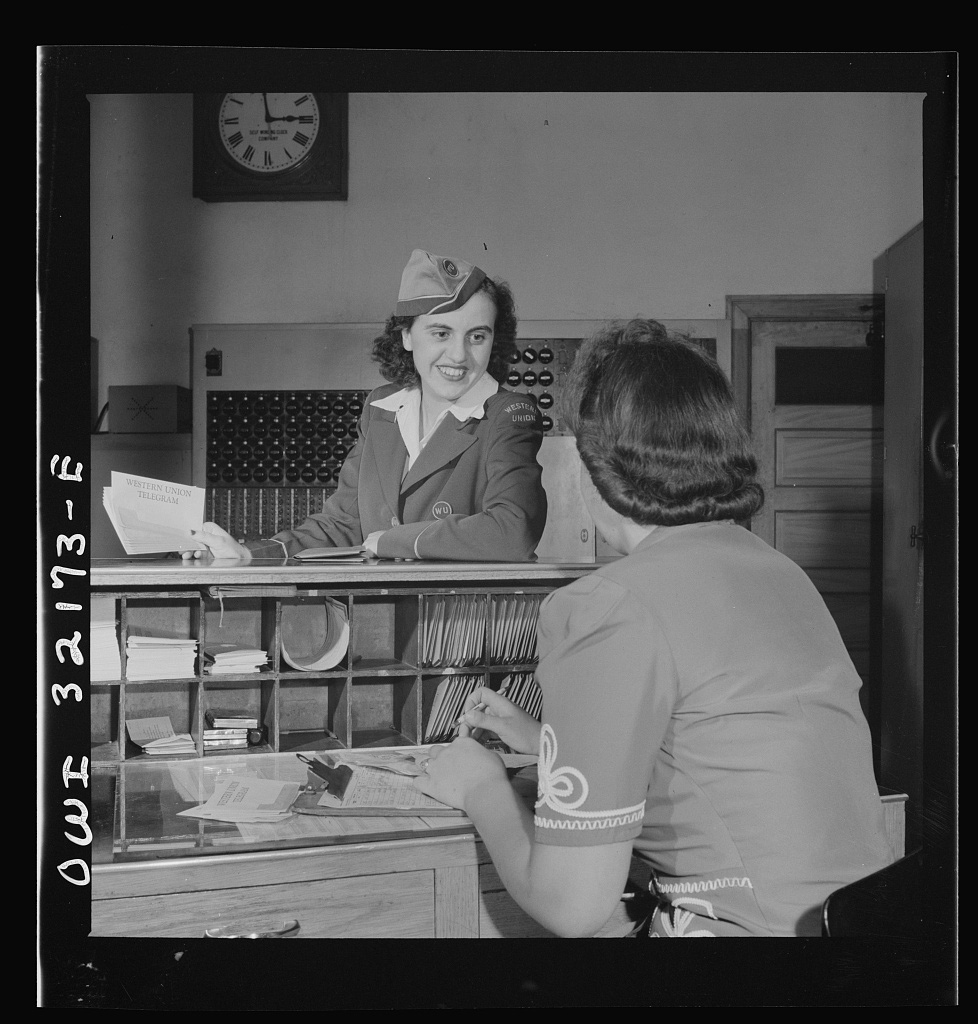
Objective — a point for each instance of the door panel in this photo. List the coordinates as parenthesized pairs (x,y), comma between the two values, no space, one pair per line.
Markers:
(813,395)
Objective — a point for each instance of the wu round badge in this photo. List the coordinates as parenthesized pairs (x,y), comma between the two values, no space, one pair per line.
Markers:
(441,509)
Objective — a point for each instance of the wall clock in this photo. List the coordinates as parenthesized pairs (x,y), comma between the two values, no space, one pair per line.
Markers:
(254,146)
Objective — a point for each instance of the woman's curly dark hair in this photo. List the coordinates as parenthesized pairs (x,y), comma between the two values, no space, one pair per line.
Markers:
(397,364)
(657,428)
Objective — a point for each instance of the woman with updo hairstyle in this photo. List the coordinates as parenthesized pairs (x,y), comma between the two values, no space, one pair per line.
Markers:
(701,726)
(657,430)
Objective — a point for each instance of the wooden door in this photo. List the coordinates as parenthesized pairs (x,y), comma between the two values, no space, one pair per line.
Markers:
(810,382)
(899,275)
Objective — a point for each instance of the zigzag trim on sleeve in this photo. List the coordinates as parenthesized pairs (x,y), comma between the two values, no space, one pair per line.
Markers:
(564,789)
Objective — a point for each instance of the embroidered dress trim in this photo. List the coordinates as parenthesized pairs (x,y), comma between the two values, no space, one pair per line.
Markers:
(564,790)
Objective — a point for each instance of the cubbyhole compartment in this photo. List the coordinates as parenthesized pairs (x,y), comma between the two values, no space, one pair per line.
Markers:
(453,630)
(512,629)
(384,711)
(310,713)
(104,705)
(238,621)
(255,698)
(176,618)
(313,633)
(171,698)
(384,633)
(443,699)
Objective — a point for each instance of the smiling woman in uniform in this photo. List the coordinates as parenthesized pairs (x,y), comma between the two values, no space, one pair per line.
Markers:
(445,464)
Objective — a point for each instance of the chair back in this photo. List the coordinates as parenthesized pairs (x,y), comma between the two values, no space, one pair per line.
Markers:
(886,903)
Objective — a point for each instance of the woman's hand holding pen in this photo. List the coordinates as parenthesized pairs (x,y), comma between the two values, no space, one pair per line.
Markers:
(486,709)
(454,773)
(218,543)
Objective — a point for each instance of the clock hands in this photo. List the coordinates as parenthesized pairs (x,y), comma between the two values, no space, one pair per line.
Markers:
(268,115)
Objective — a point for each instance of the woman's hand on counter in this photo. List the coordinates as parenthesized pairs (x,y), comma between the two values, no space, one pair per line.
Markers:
(219,544)
(486,709)
(371,540)
(455,772)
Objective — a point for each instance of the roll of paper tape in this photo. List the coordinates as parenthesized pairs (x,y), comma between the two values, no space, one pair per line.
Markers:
(311,646)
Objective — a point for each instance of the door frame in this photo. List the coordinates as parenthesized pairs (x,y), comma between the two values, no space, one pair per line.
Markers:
(742,310)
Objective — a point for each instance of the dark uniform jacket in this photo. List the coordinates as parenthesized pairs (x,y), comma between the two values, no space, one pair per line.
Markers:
(473,494)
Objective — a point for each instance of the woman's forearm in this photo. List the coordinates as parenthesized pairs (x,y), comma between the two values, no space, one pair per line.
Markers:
(571,890)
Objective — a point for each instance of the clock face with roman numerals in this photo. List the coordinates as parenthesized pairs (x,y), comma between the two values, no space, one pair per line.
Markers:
(268,132)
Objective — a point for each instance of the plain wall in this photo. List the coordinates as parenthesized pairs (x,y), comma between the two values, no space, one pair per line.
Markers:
(592,205)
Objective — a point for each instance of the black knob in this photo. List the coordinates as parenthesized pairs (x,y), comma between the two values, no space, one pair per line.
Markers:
(529,355)
(546,355)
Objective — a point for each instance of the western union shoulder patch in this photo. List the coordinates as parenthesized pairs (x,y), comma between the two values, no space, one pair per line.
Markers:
(522,411)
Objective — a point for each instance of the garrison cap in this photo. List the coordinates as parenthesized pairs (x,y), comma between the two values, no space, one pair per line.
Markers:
(436,284)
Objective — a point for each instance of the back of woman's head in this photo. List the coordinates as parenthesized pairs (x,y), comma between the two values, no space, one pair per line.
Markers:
(657,428)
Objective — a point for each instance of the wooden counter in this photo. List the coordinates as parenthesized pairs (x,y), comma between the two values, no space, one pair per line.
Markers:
(158,874)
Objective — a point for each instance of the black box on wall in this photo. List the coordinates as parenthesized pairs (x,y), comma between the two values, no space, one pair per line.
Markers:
(150,408)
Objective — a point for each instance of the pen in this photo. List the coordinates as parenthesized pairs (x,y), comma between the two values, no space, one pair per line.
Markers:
(477,707)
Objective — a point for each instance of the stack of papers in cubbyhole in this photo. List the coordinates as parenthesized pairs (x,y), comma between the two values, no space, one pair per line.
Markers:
(232,659)
(105,661)
(446,707)
(159,657)
(156,736)
(454,629)
(524,691)
(513,628)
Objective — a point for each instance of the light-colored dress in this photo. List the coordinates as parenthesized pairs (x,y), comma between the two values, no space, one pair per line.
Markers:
(699,701)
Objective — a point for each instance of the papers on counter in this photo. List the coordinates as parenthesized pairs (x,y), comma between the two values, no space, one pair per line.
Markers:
(242,798)
(332,555)
(154,515)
